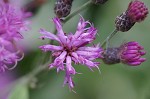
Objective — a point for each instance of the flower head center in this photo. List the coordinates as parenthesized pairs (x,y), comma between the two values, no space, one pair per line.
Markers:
(69,50)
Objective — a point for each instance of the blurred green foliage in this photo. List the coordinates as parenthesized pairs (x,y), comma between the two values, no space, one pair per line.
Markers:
(115,82)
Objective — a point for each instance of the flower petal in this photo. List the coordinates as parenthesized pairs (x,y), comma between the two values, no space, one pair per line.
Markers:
(68,80)
(69,67)
(81,42)
(59,60)
(49,35)
(90,33)
(89,54)
(60,34)
(91,49)
(49,47)
(58,26)
(81,27)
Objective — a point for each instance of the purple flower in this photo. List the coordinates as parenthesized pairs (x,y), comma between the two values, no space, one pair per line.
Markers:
(8,57)
(12,21)
(72,48)
(131,53)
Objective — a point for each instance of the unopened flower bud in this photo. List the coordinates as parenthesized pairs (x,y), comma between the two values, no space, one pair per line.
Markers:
(63,8)
(99,1)
(111,56)
(123,22)
(137,11)
(131,52)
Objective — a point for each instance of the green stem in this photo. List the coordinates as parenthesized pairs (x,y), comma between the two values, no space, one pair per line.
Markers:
(78,10)
(111,35)
(37,71)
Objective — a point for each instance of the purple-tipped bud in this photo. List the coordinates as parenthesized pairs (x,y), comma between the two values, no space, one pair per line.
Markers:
(63,8)
(131,53)
(99,1)
(111,56)
(137,11)
(123,22)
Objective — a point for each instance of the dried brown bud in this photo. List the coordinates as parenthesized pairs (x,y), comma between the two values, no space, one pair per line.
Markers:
(63,8)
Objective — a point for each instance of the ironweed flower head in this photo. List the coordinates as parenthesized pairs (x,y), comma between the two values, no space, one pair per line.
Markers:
(12,21)
(131,53)
(72,48)
(137,11)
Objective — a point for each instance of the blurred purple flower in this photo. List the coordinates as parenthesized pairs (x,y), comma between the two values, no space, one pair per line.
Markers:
(8,58)
(12,22)
(72,48)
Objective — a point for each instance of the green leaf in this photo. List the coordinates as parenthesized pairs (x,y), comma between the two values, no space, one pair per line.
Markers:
(20,91)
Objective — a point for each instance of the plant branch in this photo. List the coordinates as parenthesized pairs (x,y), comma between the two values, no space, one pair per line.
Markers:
(111,35)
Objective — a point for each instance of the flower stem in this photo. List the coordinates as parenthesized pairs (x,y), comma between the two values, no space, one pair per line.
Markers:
(78,10)
(37,71)
(111,35)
